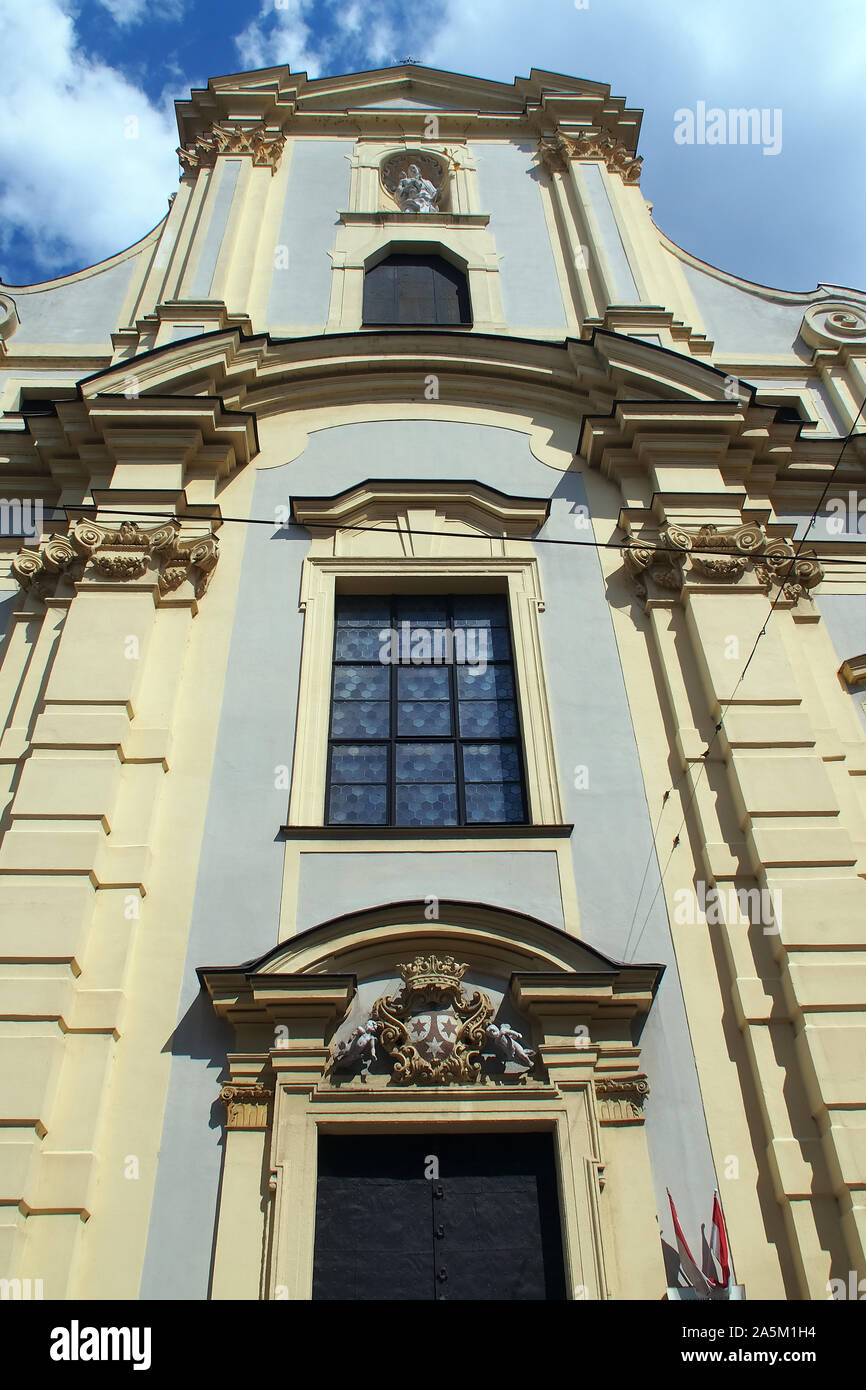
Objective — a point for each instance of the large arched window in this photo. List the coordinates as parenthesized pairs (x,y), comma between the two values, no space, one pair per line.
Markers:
(414,289)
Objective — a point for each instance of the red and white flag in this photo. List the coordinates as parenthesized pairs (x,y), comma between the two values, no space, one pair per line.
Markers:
(687,1264)
(717,1260)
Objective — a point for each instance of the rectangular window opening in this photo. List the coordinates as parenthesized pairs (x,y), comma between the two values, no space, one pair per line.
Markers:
(424,726)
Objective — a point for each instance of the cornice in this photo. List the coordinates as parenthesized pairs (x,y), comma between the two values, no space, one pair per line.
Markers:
(471,502)
(273,374)
(86,439)
(630,408)
(853,671)
(253,112)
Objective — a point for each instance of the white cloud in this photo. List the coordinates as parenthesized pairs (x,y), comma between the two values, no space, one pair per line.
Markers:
(88,160)
(128,12)
(125,12)
(280,35)
(344,38)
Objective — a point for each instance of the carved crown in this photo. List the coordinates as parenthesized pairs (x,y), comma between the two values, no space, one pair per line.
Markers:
(426,971)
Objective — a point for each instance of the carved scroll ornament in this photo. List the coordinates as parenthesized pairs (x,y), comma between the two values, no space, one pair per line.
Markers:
(433,1030)
(621,1097)
(125,554)
(247,1107)
(721,554)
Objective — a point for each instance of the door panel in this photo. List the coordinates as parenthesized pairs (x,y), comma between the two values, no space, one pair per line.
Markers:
(373,1239)
(487,1227)
(491,1246)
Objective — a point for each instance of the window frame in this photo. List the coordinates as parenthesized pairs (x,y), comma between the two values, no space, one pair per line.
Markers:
(454,738)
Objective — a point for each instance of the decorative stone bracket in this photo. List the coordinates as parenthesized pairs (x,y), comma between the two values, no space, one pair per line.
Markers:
(721,555)
(556,151)
(265,146)
(124,554)
(621,1098)
(247,1107)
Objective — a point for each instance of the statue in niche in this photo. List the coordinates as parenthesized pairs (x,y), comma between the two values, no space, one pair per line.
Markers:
(415,193)
(414,180)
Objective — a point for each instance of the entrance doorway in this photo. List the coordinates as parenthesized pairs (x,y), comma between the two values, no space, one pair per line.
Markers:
(438,1216)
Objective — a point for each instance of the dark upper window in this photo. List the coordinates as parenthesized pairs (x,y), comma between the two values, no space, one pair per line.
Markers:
(424,727)
(419,290)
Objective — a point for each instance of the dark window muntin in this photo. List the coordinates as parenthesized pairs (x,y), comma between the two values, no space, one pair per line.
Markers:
(403,285)
(393,739)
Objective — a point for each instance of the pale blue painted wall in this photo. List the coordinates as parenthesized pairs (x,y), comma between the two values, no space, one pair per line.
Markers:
(317,190)
(626,290)
(237,900)
(508,185)
(85,311)
(526,883)
(202,283)
(738,321)
(845,616)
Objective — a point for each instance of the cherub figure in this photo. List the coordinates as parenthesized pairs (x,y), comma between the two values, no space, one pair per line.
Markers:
(360,1046)
(507,1043)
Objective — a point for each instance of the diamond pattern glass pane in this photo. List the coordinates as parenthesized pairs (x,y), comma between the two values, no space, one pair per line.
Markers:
(359,805)
(423,717)
(422,612)
(361,683)
(363,612)
(360,719)
(425,762)
(422,645)
(423,683)
(402,665)
(500,801)
(480,611)
(498,644)
(362,643)
(491,762)
(359,762)
(488,719)
(424,804)
(494,683)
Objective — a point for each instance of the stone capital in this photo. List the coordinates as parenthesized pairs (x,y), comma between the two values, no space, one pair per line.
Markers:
(678,559)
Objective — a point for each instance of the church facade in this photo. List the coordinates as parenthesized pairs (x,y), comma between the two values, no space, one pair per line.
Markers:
(433,742)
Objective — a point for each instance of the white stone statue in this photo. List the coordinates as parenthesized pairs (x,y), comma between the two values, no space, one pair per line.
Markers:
(416,194)
(507,1043)
(360,1046)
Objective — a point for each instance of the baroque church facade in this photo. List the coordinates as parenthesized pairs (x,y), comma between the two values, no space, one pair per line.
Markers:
(433,744)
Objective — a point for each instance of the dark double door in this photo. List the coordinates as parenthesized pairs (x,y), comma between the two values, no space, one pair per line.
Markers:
(486,1227)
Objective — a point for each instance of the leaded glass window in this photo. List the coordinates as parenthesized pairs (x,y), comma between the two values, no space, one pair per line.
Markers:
(424,725)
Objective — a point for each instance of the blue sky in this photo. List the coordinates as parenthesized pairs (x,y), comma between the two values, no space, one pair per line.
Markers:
(74,188)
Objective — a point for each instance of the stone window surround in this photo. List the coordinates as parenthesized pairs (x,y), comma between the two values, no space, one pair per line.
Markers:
(517,576)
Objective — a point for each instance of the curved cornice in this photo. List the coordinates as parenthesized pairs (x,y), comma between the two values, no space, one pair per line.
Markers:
(199,398)
(366,933)
(796,297)
(270,374)
(144,243)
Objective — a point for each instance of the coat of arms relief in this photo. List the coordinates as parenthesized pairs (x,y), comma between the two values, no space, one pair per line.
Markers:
(433,1029)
